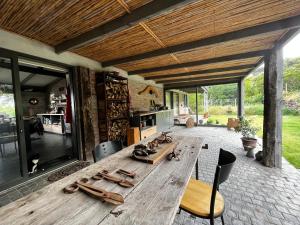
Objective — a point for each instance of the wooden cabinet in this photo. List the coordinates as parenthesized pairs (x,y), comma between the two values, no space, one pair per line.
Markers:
(133,135)
(153,122)
(147,132)
(113,106)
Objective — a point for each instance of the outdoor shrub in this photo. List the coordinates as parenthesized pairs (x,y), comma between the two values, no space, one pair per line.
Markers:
(246,128)
(256,109)
(293,112)
(210,121)
(222,110)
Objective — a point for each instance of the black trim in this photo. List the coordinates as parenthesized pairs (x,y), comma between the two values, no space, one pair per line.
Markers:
(202,78)
(194,84)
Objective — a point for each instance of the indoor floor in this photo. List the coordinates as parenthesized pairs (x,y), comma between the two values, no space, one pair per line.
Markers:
(52,148)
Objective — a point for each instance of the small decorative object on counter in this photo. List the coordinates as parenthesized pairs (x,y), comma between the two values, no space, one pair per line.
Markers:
(126,173)
(164,138)
(142,150)
(155,150)
(174,154)
(104,175)
(83,185)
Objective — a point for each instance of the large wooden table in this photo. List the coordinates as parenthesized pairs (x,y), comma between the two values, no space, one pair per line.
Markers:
(154,199)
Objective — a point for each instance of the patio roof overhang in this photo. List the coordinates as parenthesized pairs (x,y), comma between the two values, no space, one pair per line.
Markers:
(176,43)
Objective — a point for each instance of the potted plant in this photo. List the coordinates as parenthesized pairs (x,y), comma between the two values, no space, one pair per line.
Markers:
(248,132)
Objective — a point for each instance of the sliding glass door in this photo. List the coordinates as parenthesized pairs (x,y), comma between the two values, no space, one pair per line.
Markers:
(10,151)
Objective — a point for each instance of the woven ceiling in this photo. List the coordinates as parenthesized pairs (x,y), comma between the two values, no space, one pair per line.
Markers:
(55,21)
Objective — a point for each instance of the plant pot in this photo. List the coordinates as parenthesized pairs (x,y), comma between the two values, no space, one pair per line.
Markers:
(249,142)
(250,152)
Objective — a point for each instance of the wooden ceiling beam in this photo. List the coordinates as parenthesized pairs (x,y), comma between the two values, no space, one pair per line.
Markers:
(241,74)
(150,10)
(195,84)
(202,62)
(198,72)
(288,23)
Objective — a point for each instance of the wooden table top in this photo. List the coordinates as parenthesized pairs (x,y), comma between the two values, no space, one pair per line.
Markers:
(154,199)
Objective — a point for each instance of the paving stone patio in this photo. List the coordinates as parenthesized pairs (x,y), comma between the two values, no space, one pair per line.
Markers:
(254,194)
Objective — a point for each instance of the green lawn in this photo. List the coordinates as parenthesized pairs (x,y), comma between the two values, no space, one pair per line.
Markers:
(290,133)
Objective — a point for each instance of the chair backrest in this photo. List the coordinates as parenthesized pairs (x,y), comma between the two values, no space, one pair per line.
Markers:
(105,149)
(223,169)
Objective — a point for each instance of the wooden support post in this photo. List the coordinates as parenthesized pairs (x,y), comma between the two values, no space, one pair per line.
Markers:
(273,86)
(205,99)
(241,93)
(197,119)
(165,100)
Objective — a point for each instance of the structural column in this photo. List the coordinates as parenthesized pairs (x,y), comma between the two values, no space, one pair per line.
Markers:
(205,100)
(241,93)
(273,86)
(197,119)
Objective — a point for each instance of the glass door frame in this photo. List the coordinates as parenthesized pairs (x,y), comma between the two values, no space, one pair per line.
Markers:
(76,134)
(19,120)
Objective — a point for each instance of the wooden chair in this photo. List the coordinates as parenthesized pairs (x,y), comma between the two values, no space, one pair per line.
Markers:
(205,201)
(105,149)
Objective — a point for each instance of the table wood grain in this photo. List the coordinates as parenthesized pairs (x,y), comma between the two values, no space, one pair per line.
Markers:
(154,199)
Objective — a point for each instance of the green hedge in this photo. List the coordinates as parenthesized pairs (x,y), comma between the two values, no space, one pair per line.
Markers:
(256,109)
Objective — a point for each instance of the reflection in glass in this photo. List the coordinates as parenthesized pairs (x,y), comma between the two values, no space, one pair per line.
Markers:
(9,154)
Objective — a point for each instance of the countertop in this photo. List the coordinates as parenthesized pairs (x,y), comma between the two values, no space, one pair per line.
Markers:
(141,113)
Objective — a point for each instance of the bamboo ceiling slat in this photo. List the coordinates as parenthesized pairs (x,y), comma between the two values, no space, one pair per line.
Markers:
(159,61)
(213,17)
(53,21)
(125,43)
(202,75)
(225,64)
(254,43)
(171,71)
(207,66)
(258,42)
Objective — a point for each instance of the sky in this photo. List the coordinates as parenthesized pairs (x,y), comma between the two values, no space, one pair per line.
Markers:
(292,49)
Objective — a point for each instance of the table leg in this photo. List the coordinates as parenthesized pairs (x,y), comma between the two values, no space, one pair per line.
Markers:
(197,170)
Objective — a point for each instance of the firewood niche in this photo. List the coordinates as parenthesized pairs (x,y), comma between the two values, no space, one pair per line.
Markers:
(113,106)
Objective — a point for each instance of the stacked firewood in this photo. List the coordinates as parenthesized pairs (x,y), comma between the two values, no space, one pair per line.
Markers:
(117,110)
(118,129)
(116,90)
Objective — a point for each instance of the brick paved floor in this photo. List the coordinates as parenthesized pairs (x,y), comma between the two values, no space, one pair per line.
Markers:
(254,194)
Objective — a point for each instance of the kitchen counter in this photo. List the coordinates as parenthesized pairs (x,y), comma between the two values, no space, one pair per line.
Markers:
(156,121)
(145,113)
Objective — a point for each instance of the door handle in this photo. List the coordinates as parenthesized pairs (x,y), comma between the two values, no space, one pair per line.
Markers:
(21,130)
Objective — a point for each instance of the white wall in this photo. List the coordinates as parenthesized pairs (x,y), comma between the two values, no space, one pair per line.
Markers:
(15,42)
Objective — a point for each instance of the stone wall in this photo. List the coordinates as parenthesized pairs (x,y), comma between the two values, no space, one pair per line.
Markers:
(142,102)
